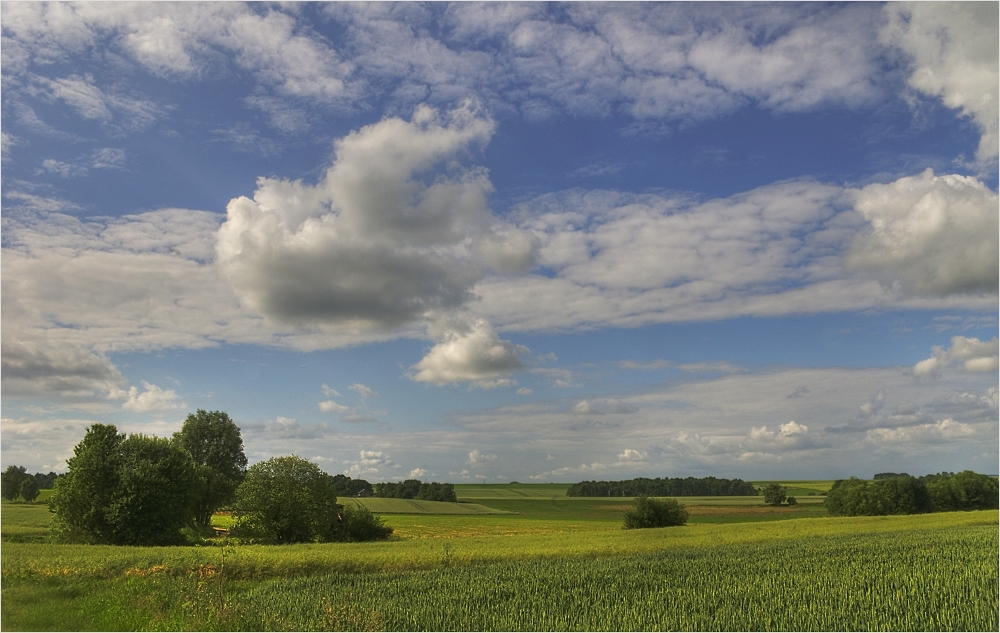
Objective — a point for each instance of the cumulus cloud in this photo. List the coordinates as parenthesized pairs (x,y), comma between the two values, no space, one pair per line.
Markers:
(935,234)
(953,47)
(631,455)
(417,473)
(972,354)
(372,245)
(152,399)
(471,352)
(476,458)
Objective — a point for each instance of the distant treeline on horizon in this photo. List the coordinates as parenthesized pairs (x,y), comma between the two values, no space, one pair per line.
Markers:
(664,487)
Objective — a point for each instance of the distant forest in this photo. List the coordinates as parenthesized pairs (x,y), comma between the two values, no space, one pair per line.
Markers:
(664,487)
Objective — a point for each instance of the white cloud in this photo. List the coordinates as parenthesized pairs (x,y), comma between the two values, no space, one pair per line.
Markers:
(417,473)
(82,94)
(65,170)
(940,431)
(974,355)
(331,406)
(479,459)
(631,455)
(372,246)
(327,391)
(953,47)
(935,234)
(364,391)
(39,367)
(471,352)
(524,391)
(152,399)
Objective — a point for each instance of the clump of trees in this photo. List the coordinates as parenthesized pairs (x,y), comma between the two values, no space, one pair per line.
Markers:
(126,490)
(903,494)
(663,487)
(414,489)
(775,495)
(653,513)
(290,500)
(16,482)
(347,487)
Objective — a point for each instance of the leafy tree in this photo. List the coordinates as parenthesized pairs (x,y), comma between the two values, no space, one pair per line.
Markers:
(895,495)
(347,487)
(774,495)
(287,500)
(135,490)
(216,446)
(654,513)
(10,481)
(966,490)
(28,489)
(791,501)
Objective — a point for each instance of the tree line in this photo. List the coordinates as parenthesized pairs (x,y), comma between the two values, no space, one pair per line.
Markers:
(142,490)
(16,482)
(414,489)
(902,494)
(663,487)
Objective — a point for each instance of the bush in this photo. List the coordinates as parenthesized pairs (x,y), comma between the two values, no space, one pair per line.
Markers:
(654,513)
(792,501)
(362,525)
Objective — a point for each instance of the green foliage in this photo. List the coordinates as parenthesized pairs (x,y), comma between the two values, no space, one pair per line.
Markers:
(879,476)
(654,513)
(791,501)
(10,481)
(963,491)
(894,495)
(362,525)
(29,489)
(413,489)
(347,487)
(287,500)
(216,446)
(774,495)
(134,490)
(666,487)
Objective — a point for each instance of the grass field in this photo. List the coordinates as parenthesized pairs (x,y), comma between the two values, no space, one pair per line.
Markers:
(533,561)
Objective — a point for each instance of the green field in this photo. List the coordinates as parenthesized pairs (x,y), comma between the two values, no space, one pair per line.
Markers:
(532,561)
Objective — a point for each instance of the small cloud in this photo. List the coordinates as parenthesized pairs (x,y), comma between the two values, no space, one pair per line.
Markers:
(152,399)
(583,408)
(363,391)
(631,455)
(356,418)
(523,391)
(417,473)
(477,458)
(974,355)
(331,406)
(330,392)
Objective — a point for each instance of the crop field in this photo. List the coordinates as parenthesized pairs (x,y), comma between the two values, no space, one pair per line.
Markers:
(539,562)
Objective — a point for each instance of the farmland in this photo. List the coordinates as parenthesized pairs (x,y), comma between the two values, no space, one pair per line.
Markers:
(538,561)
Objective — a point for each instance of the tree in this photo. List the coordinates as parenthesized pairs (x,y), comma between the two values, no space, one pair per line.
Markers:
(966,490)
(287,500)
(28,489)
(10,481)
(774,495)
(895,495)
(654,513)
(216,446)
(791,501)
(135,490)
(361,525)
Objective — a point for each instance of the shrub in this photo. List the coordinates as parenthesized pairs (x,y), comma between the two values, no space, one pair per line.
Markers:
(791,501)
(654,513)
(362,525)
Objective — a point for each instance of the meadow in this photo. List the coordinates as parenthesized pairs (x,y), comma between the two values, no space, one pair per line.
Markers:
(537,562)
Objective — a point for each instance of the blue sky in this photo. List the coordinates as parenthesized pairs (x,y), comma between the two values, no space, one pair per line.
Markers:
(546,242)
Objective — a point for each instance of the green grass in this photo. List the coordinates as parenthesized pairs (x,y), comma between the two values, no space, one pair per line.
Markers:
(417,506)
(510,491)
(888,573)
